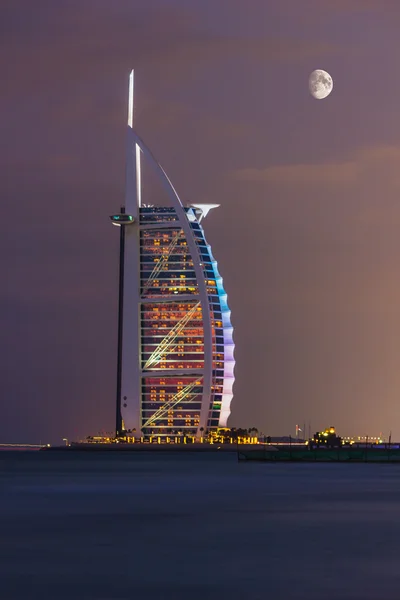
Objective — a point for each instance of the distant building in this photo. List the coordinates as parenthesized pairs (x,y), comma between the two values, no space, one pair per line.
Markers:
(175,344)
(327,438)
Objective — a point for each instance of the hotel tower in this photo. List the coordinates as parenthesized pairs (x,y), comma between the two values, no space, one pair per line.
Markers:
(175,345)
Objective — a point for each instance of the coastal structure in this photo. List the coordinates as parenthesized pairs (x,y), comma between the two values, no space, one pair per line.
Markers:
(175,344)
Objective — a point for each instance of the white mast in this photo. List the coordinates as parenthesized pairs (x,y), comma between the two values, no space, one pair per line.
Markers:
(130,99)
(133,198)
(130,383)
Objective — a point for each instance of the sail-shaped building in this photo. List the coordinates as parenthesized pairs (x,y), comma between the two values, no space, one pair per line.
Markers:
(175,343)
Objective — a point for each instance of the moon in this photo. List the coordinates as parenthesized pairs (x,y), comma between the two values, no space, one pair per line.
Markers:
(320,84)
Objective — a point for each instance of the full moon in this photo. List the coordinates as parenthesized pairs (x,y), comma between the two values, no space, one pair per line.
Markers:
(320,84)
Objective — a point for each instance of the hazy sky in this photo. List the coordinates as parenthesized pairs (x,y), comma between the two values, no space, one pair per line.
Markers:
(308,234)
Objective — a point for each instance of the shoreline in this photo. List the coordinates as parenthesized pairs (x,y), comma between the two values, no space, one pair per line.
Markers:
(146,448)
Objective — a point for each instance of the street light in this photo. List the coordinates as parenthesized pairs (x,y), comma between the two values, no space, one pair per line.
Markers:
(66,441)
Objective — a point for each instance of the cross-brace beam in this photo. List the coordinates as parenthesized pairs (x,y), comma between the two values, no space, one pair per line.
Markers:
(166,344)
(162,261)
(170,404)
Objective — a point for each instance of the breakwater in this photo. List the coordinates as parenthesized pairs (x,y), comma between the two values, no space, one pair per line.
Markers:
(295,454)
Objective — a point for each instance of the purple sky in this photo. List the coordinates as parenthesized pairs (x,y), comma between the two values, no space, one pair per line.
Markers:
(308,234)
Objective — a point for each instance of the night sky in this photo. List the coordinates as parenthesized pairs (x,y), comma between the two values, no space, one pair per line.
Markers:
(307,237)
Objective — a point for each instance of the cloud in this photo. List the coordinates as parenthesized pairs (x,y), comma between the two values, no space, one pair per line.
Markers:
(300,174)
(346,6)
(312,9)
(360,167)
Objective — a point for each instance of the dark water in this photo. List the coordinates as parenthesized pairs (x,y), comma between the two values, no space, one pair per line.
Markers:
(149,526)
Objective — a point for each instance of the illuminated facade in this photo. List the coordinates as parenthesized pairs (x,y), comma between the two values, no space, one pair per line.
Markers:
(175,345)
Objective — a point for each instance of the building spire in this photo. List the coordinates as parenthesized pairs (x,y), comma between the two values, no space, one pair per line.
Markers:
(133,194)
(130,99)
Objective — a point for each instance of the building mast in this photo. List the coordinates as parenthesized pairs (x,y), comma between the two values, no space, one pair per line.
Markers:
(128,368)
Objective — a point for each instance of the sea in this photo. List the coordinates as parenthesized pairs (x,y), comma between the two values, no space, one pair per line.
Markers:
(188,526)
